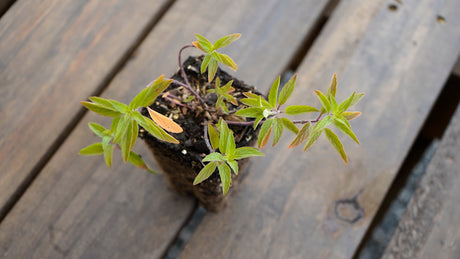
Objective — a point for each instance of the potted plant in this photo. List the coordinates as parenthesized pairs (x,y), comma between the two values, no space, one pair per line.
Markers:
(201,124)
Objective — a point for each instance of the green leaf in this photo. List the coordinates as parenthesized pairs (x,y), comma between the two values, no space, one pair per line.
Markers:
(226,40)
(289,125)
(223,138)
(148,95)
(334,105)
(303,134)
(153,129)
(225,176)
(287,90)
(343,125)
(244,152)
(205,43)
(277,131)
(114,125)
(351,115)
(110,104)
(312,139)
(108,152)
(212,69)
(356,98)
(97,129)
(345,104)
(122,129)
(234,165)
(205,63)
(128,140)
(324,101)
(335,142)
(213,157)
(264,133)
(92,150)
(137,160)
(273,95)
(228,61)
(256,102)
(205,173)
(231,146)
(213,136)
(258,120)
(323,123)
(299,109)
(332,90)
(99,109)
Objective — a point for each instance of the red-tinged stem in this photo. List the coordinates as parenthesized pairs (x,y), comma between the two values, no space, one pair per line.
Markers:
(180,62)
(188,87)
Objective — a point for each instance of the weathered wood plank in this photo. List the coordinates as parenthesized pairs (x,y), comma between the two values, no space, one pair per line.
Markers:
(53,53)
(285,207)
(77,207)
(429,227)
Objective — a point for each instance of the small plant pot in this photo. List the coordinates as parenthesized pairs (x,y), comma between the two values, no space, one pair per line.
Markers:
(181,162)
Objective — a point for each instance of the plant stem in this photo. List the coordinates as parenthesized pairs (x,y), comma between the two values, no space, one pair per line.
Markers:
(206,138)
(180,62)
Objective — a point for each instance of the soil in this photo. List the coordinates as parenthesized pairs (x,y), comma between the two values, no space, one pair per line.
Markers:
(182,162)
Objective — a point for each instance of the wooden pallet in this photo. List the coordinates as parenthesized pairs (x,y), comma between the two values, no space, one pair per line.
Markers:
(57,53)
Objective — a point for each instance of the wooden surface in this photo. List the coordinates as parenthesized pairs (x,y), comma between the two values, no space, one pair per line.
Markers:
(53,54)
(285,207)
(56,53)
(429,227)
(78,207)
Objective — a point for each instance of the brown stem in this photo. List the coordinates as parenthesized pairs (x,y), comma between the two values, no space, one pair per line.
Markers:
(206,138)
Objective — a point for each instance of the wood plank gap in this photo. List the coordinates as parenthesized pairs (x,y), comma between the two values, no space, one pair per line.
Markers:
(299,55)
(5,6)
(432,131)
(118,66)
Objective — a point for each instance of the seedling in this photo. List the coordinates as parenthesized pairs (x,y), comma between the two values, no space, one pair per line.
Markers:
(265,114)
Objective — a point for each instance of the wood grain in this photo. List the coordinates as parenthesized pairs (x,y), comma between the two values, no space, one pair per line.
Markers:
(79,208)
(54,53)
(285,207)
(428,228)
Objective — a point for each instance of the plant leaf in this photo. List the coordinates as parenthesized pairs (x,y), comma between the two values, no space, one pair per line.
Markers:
(198,46)
(148,95)
(226,40)
(212,69)
(213,157)
(205,63)
(92,150)
(110,104)
(343,125)
(97,129)
(264,133)
(334,105)
(234,165)
(223,137)
(356,98)
(312,139)
(164,122)
(129,138)
(213,136)
(273,95)
(228,61)
(277,131)
(137,160)
(289,125)
(332,90)
(231,146)
(244,152)
(299,109)
(205,43)
(287,90)
(99,109)
(153,129)
(121,130)
(108,153)
(335,142)
(351,115)
(205,173)
(303,134)
(324,101)
(225,176)
(346,103)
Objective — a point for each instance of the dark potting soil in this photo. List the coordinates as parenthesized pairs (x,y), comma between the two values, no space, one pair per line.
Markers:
(182,162)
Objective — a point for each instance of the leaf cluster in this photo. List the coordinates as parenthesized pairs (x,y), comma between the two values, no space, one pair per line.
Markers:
(212,57)
(225,155)
(223,95)
(125,124)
